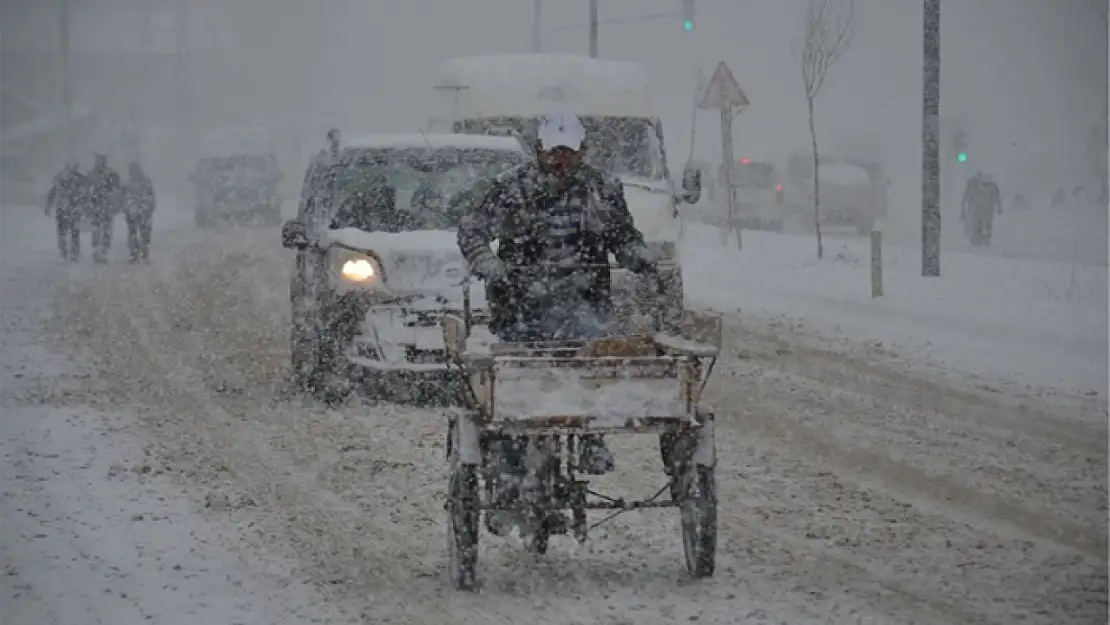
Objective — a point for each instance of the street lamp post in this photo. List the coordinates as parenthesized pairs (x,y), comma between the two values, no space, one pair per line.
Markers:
(537,33)
(593,29)
(64,35)
(930,140)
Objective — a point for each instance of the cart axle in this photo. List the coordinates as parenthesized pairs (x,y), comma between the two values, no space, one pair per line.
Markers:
(600,505)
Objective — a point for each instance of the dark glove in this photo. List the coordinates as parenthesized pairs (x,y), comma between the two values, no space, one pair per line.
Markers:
(294,235)
(488,267)
(644,259)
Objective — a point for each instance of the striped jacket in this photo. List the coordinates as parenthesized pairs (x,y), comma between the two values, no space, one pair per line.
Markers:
(558,238)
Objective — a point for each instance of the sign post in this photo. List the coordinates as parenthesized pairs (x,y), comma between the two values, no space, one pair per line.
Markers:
(725,94)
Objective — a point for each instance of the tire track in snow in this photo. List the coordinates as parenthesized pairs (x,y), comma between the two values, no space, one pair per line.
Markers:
(227,430)
(1067,508)
(1086,433)
(839,531)
(796,410)
(746,542)
(806,423)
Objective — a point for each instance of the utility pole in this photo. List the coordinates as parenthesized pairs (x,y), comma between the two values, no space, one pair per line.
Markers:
(593,29)
(131,134)
(181,86)
(930,140)
(726,158)
(66,121)
(537,32)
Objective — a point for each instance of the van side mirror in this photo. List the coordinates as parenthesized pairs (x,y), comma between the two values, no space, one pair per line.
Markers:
(691,184)
(294,235)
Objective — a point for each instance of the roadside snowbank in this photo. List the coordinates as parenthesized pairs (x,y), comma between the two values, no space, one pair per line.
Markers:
(1034,323)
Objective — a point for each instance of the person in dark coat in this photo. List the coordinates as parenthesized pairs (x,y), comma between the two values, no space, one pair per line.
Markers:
(104,202)
(982,201)
(557,219)
(138,211)
(66,203)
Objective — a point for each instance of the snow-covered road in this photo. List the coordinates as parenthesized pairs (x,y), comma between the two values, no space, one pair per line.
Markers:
(155,465)
(96,525)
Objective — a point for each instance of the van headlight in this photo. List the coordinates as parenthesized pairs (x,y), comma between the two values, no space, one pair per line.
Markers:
(358,270)
(355,269)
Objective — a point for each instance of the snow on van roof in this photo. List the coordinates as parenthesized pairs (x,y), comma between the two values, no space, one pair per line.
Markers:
(437,140)
(528,85)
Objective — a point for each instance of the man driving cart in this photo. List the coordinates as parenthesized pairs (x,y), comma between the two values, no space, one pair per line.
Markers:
(556,221)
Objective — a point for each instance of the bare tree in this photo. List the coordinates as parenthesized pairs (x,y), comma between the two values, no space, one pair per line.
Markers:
(829,25)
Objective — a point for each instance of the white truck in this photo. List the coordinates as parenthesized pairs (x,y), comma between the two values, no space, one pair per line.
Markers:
(508,94)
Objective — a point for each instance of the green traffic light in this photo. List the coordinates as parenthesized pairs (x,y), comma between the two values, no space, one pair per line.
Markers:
(688,25)
(961,157)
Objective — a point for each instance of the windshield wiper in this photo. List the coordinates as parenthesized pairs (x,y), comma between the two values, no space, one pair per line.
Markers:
(645,187)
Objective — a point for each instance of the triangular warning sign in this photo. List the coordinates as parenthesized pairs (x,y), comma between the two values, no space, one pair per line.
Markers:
(722,91)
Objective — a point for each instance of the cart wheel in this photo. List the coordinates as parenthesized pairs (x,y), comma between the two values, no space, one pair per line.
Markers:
(579,521)
(462,526)
(698,511)
(494,523)
(536,541)
(666,451)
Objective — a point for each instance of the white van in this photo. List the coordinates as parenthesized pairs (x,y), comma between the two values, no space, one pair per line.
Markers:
(507,94)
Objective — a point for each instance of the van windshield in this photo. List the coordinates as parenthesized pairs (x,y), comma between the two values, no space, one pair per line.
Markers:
(623,146)
(398,189)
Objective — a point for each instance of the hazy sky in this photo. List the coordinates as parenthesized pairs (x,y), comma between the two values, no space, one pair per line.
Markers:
(1028,75)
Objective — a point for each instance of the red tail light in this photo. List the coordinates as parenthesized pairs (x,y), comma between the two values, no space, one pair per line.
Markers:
(745,161)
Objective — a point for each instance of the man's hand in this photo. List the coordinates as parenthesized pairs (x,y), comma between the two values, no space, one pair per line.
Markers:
(488,267)
(294,235)
(643,259)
